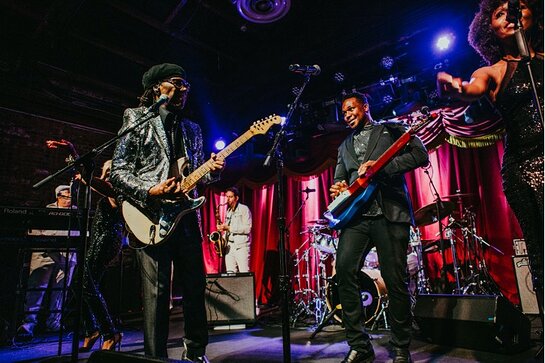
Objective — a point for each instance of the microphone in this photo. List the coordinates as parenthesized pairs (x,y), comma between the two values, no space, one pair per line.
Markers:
(306,70)
(308,190)
(513,16)
(513,12)
(155,107)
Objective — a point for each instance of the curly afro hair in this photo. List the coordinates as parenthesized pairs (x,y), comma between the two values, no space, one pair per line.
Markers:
(482,38)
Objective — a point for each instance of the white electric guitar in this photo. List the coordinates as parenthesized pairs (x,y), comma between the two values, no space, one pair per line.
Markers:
(153,226)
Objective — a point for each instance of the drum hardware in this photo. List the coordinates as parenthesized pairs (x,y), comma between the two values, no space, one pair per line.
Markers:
(479,280)
(311,275)
(449,233)
(422,282)
(381,314)
(325,320)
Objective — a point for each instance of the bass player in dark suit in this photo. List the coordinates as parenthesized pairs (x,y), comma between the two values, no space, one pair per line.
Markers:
(383,223)
(141,173)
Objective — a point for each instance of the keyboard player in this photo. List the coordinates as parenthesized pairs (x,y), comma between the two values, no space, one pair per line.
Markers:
(47,272)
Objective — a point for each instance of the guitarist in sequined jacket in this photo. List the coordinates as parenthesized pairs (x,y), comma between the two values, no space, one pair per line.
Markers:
(141,173)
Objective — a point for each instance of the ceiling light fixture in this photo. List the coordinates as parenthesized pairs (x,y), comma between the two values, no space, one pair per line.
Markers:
(262,11)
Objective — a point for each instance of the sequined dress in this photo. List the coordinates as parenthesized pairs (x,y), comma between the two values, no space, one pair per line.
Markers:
(522,169)
(104,246)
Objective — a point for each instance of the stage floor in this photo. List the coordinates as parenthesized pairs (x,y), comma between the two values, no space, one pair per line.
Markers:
(264,343)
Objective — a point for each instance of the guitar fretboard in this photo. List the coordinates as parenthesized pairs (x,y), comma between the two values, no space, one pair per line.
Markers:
(192,180)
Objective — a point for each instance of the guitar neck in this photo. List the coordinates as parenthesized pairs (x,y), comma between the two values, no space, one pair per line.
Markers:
(392,151)
(192,180)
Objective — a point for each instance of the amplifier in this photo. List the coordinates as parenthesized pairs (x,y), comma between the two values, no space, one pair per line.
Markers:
(528,300)
(230,298)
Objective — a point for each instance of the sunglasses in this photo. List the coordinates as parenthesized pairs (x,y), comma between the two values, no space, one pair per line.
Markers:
(179,83)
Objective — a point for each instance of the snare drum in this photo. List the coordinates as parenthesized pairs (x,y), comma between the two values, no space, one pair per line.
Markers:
(372,290)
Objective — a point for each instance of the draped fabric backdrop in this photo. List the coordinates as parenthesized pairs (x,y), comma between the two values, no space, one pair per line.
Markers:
(472,171)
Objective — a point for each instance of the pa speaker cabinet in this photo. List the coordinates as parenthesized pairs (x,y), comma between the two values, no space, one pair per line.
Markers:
(230,298)
(528,300)
(489,323)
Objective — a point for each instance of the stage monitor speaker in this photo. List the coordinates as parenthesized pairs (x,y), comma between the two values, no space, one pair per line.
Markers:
(489,323)
(528,300)
(230,298)
(105,356)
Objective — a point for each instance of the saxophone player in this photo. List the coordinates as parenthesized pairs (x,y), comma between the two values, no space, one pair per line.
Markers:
(237,230)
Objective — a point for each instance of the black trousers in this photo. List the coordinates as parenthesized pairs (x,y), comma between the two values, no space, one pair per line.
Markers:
(391,241)
(183,250)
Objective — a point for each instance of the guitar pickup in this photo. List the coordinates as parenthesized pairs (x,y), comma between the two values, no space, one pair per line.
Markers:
(339,200)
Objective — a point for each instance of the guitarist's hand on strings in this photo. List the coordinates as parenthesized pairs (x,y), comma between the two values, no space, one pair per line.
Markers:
(365,166)
(337,188)
(166,189)
(217,163)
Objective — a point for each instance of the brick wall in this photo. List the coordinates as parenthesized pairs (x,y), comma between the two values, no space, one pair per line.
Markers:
(25,159)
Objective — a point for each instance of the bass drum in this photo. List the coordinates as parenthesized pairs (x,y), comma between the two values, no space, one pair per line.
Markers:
(372,290)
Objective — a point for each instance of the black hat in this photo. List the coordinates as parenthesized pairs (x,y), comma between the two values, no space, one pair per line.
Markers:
(159,72)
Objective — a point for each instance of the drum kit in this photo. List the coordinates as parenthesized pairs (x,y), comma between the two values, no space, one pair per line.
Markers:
(315,286)
(311,271)
(316,292)
(463,270)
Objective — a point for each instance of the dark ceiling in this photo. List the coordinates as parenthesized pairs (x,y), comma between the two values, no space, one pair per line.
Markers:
(82,61)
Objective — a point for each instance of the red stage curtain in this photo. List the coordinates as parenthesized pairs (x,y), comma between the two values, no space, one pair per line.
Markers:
(470,171)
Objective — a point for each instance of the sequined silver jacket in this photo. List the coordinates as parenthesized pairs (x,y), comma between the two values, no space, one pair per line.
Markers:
(142,158)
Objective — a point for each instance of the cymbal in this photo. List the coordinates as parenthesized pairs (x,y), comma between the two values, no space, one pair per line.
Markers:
(461,195)
(428,214)
(434,245)
(318,221)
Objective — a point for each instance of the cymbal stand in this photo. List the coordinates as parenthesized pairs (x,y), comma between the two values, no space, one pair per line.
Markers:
(438,205)
(320,277)
(301,295)
(325,320)
(449,233)
(381,314)
(484,281)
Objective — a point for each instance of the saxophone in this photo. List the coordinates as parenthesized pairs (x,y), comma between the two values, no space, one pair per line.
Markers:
(217,238)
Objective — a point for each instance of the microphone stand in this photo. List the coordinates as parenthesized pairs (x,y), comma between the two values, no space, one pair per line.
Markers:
(283,278)
(524,52)
(87,161)
(438,204)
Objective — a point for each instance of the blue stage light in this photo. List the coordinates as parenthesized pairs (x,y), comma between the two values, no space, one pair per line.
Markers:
(219,144)
(444,41)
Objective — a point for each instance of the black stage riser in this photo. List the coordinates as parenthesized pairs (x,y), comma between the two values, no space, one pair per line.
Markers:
(102,356)
(488,323)
(230,299)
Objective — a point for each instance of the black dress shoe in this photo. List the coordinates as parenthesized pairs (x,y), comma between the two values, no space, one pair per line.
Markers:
(354,356)
(402,356)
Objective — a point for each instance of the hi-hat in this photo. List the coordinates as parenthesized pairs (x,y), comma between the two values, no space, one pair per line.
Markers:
(318,221)
(428,214)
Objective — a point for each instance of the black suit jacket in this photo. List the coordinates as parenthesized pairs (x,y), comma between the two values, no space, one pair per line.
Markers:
(391,192)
